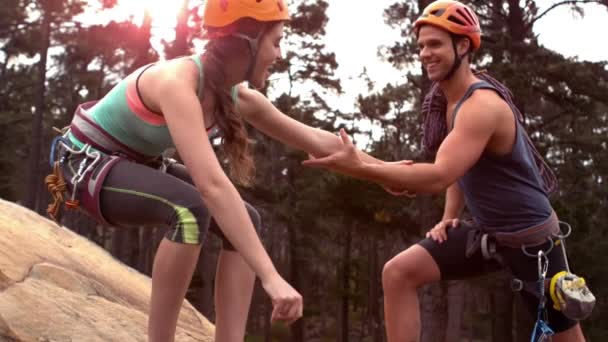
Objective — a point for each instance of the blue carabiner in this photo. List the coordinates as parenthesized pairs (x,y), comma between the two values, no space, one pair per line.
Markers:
(542,331)
(54,147)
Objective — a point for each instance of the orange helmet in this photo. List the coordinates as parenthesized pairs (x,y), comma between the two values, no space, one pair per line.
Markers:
(220,13)
(453,17)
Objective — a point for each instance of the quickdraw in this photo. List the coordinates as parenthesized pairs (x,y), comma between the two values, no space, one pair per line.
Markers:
(542,332)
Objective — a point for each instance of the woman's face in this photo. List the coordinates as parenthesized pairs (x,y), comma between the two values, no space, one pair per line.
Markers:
(269,51)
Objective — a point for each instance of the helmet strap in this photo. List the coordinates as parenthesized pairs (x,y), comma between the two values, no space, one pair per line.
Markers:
(253,49)
(457,61)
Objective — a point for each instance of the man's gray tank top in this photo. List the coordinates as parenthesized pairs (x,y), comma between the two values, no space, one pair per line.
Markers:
(504,193)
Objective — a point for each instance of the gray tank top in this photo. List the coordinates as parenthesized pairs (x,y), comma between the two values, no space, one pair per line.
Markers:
(504,193)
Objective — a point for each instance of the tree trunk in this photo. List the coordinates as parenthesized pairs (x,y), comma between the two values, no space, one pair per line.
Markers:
(297,329)
(296,267)
(433,313)
(143,47)
(345,303)
(502,309)
(34,179)
(433,300)
(179,46)
(456,305)
(145,240)
(524,321)
(374,310)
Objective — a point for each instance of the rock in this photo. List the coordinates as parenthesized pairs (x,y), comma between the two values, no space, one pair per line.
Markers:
(58,286)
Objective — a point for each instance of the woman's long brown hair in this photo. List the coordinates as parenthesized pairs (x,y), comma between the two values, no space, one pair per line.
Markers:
(235,142)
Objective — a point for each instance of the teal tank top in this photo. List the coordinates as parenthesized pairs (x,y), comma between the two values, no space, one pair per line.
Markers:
(123,116)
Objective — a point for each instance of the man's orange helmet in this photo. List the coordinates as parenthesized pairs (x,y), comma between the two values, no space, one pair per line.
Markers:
(453,17)
(220,13)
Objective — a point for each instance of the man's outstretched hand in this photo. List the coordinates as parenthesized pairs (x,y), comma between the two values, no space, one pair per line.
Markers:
(345,160)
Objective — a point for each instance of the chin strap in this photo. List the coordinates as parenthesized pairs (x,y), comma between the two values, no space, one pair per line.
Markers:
(253,44)
(457,61)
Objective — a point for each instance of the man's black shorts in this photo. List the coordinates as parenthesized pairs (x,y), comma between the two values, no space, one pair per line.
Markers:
(453,264)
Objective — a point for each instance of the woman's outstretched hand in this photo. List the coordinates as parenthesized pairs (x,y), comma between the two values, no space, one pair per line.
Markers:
(287,304)
(345,160)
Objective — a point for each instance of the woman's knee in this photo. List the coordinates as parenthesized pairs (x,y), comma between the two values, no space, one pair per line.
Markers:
(189,224)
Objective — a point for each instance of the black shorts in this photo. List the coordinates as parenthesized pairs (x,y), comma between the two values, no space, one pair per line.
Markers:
(453,264)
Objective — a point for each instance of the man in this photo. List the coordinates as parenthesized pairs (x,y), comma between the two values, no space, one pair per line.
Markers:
(484,159)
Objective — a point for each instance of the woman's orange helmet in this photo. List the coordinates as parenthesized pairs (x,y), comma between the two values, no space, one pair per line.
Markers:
(220,13)
(453,17)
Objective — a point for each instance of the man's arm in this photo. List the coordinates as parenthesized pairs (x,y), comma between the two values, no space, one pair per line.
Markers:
(459,151)
(454,202)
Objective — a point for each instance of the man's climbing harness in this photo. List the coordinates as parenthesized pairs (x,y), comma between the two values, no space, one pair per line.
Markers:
(569,292)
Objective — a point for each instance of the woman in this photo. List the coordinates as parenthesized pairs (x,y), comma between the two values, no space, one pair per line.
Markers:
(182,103)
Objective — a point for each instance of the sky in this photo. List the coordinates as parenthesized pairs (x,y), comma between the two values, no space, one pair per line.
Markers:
(356,30)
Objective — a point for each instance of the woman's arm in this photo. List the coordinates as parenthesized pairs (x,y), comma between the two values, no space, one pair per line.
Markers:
(265,117)
(182,110)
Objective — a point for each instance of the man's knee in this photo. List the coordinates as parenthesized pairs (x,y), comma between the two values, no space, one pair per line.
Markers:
(394,273)
(408,269)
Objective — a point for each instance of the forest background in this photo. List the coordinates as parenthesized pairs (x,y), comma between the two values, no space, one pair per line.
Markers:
(329,235)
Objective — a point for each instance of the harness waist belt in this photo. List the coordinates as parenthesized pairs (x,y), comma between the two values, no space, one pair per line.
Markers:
(86,130)
(532,236)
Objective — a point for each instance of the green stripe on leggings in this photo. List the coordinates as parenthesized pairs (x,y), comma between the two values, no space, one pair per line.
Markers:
(185,216)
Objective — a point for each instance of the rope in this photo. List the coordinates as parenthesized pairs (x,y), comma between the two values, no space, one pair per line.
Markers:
(56,185)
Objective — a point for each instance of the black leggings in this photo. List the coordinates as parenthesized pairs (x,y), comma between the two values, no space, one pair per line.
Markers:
(134,194)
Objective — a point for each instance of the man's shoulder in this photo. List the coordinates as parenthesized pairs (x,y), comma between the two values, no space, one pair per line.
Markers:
(486,102)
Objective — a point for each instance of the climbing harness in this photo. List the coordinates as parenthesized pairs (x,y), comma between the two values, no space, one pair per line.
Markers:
(100,152)
(487,242)
(85,129)
(56,183)
(569,292)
